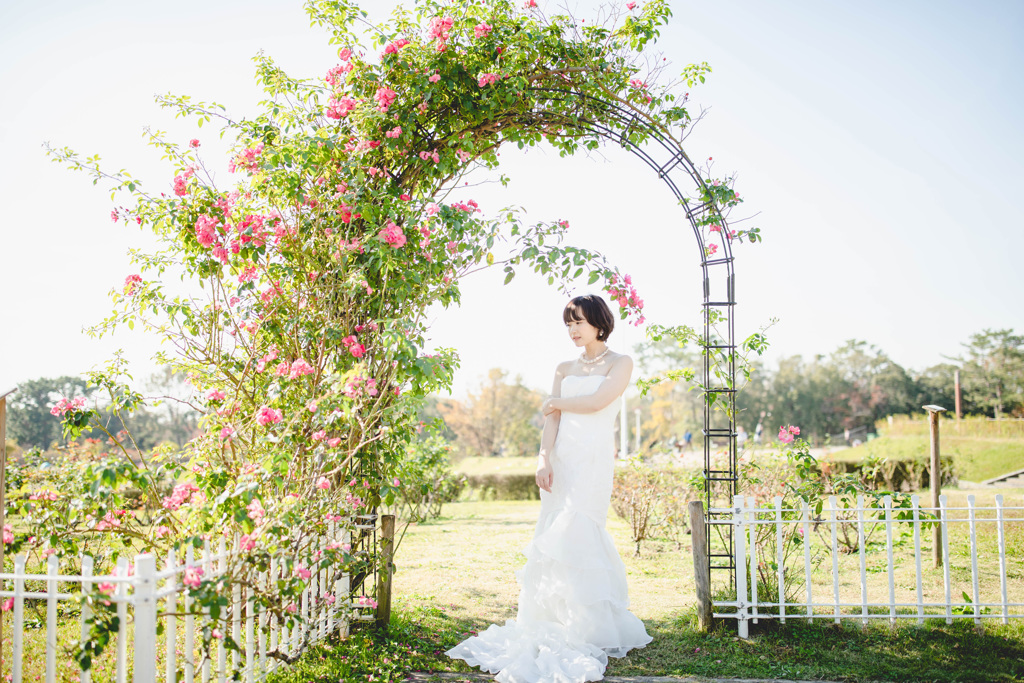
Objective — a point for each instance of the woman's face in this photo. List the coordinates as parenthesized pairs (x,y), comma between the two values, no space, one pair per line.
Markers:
(581,332)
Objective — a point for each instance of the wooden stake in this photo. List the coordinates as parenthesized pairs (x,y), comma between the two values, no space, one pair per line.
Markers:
(387,545)
(936,480)
(701,568)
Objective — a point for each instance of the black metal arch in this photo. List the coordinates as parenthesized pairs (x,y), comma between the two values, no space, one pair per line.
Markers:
(619,123)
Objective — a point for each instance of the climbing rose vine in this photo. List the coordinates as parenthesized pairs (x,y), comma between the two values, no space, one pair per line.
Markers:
(311,268)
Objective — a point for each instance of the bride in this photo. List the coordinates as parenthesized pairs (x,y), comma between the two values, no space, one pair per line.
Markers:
(573,605)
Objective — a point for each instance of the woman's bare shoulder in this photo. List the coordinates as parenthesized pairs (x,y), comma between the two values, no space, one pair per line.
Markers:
(565,367)
(620,358)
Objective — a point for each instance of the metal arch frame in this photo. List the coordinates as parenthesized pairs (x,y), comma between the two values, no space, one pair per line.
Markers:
(720,485)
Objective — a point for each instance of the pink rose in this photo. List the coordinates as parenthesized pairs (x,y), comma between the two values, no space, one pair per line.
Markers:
(439,28)
(300,368)
(482,29)
(193,577)
(323,483)
(393,235)
(268,416)
(385,98)
(435,78)
(256,511)
(487,79)
(394,46)
(132,283)
(340,108)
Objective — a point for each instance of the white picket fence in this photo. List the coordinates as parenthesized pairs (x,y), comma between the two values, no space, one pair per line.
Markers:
(907,597)
(151,594)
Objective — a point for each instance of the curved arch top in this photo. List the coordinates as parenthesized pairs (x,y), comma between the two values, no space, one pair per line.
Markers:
(665,156)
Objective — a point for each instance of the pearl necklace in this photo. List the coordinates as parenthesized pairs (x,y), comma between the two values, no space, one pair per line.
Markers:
(591,361)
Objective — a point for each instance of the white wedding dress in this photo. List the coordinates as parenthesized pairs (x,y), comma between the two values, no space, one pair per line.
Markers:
(573,605)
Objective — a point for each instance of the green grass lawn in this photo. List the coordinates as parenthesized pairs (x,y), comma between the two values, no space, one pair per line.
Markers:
(454,577)
(975,458)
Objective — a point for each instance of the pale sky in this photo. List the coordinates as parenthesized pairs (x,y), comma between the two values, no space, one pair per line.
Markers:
(878,142)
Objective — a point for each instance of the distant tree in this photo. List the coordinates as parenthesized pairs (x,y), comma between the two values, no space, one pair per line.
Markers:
(992,371)
(29,421)
(670,408)
(873,384)
(503,419)
(173,416)
(935,386)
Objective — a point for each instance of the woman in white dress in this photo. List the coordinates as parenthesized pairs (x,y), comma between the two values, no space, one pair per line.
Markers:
(573,603)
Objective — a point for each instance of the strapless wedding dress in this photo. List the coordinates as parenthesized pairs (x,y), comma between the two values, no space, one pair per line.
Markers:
(573,604)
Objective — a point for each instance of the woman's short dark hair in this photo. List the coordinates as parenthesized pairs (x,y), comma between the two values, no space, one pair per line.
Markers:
(594,310)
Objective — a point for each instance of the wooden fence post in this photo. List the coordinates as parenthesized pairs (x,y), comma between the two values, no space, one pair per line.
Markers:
(936,479)
(387,544)
(701,568)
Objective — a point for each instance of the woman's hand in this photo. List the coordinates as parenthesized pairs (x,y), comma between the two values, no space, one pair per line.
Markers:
(548,407)
(544,474)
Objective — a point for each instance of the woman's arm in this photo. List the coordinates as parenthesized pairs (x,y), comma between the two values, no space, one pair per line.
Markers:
(610,389)
(547,439)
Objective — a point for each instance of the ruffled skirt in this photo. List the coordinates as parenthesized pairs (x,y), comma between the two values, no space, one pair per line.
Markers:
(573,609)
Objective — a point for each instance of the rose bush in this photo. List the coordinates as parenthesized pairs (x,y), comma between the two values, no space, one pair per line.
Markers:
(308,275)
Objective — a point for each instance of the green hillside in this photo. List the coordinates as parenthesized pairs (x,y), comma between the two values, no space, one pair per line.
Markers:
(975,458)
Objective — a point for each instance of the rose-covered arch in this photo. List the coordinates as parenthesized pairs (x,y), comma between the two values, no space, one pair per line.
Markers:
(304,333)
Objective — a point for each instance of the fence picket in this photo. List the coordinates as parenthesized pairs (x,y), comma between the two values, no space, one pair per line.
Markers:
(190,623)
(236,626)
(834,515)
(780,559)
(208,573)
(805,519)
(753,562)
(171,623)
(332,538)
(250,654)
(222,654)
(863,561)
(974,557)
(273,617)
(87,568)
(122,616)
(343,586)
(1002,556)
(944,524)
(52,571)
(263,626)
(17,644)
(742,597)
(915,502)
(145,618)
(889,552)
